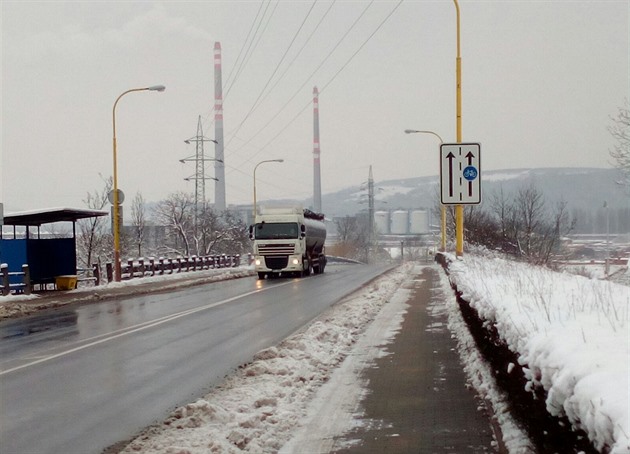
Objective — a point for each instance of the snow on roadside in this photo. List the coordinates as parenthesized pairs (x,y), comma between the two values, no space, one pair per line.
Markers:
(20,305)
(571,332)
(258,408)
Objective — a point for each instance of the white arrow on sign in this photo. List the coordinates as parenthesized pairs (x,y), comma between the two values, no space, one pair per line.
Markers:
(460,173)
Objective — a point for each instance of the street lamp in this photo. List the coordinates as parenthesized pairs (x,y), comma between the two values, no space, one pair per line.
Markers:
(256,167)
(459,209)
(442,207)
(115,200)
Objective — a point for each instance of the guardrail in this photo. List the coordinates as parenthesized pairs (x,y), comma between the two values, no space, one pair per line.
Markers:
(141,267)
(7,287)
(133,268)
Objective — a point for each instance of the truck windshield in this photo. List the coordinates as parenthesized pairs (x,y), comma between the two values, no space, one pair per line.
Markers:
(276,231)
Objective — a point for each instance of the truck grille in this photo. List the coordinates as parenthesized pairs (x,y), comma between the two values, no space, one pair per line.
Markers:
(277,263)
(275,249)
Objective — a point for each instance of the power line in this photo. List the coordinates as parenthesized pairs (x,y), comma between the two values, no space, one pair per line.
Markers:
(250,51)
(240,52)
(256,104)
(299,90)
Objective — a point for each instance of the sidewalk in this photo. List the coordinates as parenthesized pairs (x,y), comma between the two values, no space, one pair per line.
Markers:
(417,399)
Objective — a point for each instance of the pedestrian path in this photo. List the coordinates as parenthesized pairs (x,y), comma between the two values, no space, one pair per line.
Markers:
(417,399)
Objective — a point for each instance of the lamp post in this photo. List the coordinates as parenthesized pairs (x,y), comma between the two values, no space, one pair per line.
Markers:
(442,207)
(459,209)
(255,168)
(117,269)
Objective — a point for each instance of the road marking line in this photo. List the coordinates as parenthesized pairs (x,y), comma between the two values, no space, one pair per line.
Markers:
(139,327)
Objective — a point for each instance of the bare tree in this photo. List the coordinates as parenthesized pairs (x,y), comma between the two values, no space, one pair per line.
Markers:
(138,220)
(353,238)
(529,207)
(177,213)
(93,240)
(620,130)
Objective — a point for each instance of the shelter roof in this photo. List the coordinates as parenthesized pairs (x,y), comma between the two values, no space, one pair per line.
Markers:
(50,215)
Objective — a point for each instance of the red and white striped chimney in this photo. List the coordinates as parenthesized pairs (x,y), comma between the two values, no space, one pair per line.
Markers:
(219,165)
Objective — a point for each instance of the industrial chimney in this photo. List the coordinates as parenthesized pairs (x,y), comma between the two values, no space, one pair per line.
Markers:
(219,165)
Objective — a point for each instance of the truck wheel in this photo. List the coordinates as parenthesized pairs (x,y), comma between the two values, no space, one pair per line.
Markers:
(306,271)
(261,276)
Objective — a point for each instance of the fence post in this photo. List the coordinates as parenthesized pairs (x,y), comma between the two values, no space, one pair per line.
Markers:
(109,270)
(27,279)
(96,272)
(238,260)
(130,270)
(4,268)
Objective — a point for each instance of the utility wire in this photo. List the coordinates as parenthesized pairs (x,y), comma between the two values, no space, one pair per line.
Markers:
(299,90)
(240,52)
(327,84)
(362,46)
(299,52)
(255,105)
(250,51)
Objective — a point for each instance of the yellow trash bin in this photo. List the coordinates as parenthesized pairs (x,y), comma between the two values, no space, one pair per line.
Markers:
(68,282)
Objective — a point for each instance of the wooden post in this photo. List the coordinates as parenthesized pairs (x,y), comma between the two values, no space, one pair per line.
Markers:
(27,279)
(4,269)
(109,270)
(96,272)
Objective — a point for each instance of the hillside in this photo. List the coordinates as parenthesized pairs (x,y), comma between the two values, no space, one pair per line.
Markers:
(584,190)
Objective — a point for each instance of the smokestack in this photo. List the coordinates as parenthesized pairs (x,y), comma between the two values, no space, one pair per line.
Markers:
(317,182)
(219,164)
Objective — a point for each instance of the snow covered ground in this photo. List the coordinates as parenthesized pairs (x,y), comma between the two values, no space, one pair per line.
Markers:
(571,332)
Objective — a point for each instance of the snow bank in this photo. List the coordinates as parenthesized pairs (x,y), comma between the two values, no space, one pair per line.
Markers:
(258,408)
(572,334)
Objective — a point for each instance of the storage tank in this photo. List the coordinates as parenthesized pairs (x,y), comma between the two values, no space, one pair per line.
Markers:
(381,219)
(419,222)
(400,222)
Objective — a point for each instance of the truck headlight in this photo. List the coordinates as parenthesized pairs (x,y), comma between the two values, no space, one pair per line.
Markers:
(258,262)
(296,261)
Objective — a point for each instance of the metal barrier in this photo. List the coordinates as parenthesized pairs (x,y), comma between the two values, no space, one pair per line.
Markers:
(141,267)
(19,287)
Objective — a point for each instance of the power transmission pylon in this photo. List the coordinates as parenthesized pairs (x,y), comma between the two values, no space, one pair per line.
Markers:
(200,176)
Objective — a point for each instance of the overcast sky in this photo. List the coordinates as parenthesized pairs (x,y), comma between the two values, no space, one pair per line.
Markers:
(540,82)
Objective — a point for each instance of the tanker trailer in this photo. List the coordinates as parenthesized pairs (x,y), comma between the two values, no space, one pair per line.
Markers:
(288,242)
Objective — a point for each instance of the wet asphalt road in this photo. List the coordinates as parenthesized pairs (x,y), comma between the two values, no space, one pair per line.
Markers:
(76,380)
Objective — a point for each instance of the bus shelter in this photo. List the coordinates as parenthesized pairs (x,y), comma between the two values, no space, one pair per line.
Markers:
(47,256)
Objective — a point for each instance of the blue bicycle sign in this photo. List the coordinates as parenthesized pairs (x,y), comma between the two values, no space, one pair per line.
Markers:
(470,173)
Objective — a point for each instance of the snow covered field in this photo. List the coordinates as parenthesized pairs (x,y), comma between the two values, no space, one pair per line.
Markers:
(571,332)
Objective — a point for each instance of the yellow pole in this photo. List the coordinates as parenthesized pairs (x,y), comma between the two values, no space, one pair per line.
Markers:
(117,266)
(459,209)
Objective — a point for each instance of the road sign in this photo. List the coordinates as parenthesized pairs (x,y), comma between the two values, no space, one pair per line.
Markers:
(121,196)
(460,173)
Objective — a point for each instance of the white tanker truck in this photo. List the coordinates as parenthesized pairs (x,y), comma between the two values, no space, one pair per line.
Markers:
(288,241)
